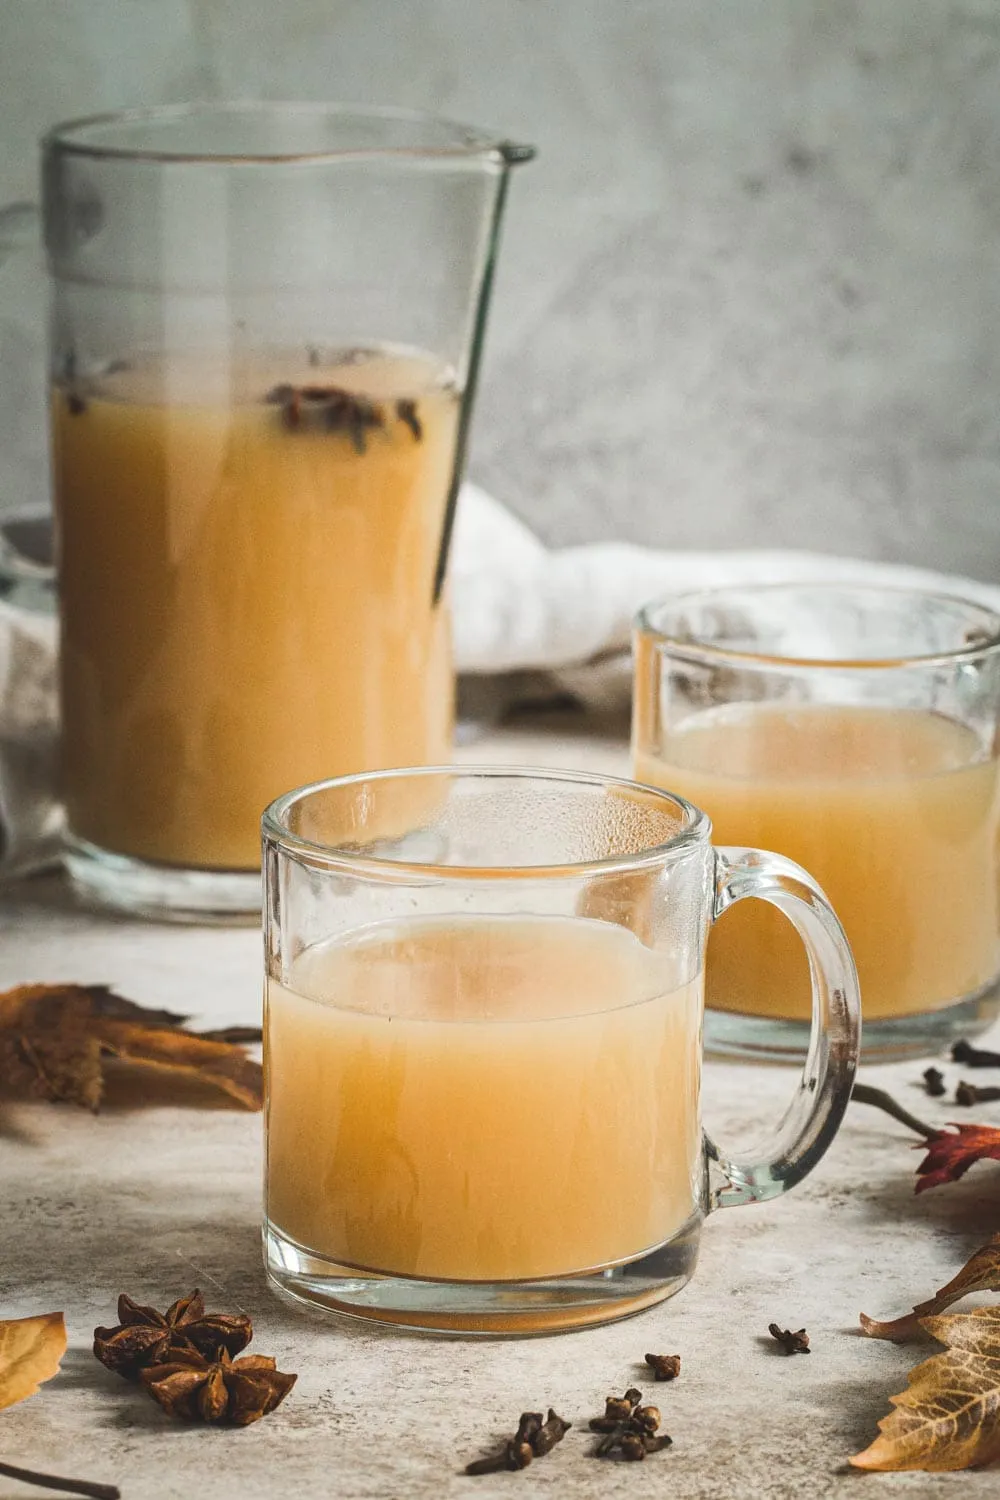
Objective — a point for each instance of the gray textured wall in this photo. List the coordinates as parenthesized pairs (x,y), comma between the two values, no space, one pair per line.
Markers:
(750,291)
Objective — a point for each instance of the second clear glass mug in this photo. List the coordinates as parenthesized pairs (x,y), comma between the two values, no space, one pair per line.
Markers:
(483,1045)
(855,729)
(266,326)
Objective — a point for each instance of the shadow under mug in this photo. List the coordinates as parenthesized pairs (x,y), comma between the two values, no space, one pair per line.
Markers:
(853,729)
(483,1045)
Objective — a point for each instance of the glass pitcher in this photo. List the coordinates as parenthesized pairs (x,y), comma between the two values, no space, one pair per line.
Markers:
(266,325)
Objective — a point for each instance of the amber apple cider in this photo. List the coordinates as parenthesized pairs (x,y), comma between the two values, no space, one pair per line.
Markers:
(247,556)
(482,1099)
(893,811)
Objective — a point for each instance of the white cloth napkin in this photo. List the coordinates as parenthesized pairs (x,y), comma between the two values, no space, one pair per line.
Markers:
(520,607)
(528,622)
(29,816)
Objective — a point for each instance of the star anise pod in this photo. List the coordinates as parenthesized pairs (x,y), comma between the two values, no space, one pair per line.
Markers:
(147,1337)
(236,1391)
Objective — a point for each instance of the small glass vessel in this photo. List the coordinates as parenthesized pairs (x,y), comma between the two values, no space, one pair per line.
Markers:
(855,730)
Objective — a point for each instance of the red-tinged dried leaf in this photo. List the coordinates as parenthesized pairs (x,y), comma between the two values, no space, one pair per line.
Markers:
(54,1039)
(980,1274)
(949,1416)
(30,1351)
(949,1156)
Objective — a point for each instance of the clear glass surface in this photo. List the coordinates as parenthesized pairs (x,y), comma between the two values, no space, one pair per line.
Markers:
(483,1046)
(855,731)
(266,326)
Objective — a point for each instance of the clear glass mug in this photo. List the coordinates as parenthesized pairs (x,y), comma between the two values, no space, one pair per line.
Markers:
(266,325)
(483,1039)
(855,730)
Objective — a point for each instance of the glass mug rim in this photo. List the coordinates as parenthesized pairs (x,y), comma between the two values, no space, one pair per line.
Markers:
(458,141)
(648,623)
(695,832)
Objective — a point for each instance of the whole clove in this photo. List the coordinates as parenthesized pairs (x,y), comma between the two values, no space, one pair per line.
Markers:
(406,411)
(664,1366)
(533,1439)
(632,1446)
(968,1094)
(511,1456)
(934,1083)
(974,1057)
(330,407)
(618,1409)
(552,1431)
(611,1438)
(792,1343)
(529,1424)
(75,381)
(628,1428)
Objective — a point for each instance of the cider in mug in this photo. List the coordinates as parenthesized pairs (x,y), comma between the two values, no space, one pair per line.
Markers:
(483,1098)
(247,565)
(894,811)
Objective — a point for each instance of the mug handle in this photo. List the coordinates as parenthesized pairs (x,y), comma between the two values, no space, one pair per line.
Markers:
(811,1120)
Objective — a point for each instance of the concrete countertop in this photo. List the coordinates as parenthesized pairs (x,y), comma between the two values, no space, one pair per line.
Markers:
(158,1200)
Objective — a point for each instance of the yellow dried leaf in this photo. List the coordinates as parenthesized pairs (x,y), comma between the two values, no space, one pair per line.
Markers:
(981,1273)
(30,1351)
(949,1416)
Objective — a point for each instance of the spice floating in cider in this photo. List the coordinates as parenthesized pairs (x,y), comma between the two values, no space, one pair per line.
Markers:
(247,570)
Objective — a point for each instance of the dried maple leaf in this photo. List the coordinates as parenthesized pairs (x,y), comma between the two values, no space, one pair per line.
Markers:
(980,1274)
(147,1337)
(235,1391)
(30,1351)
(949,1416)
(54,1039)
(949,1156)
